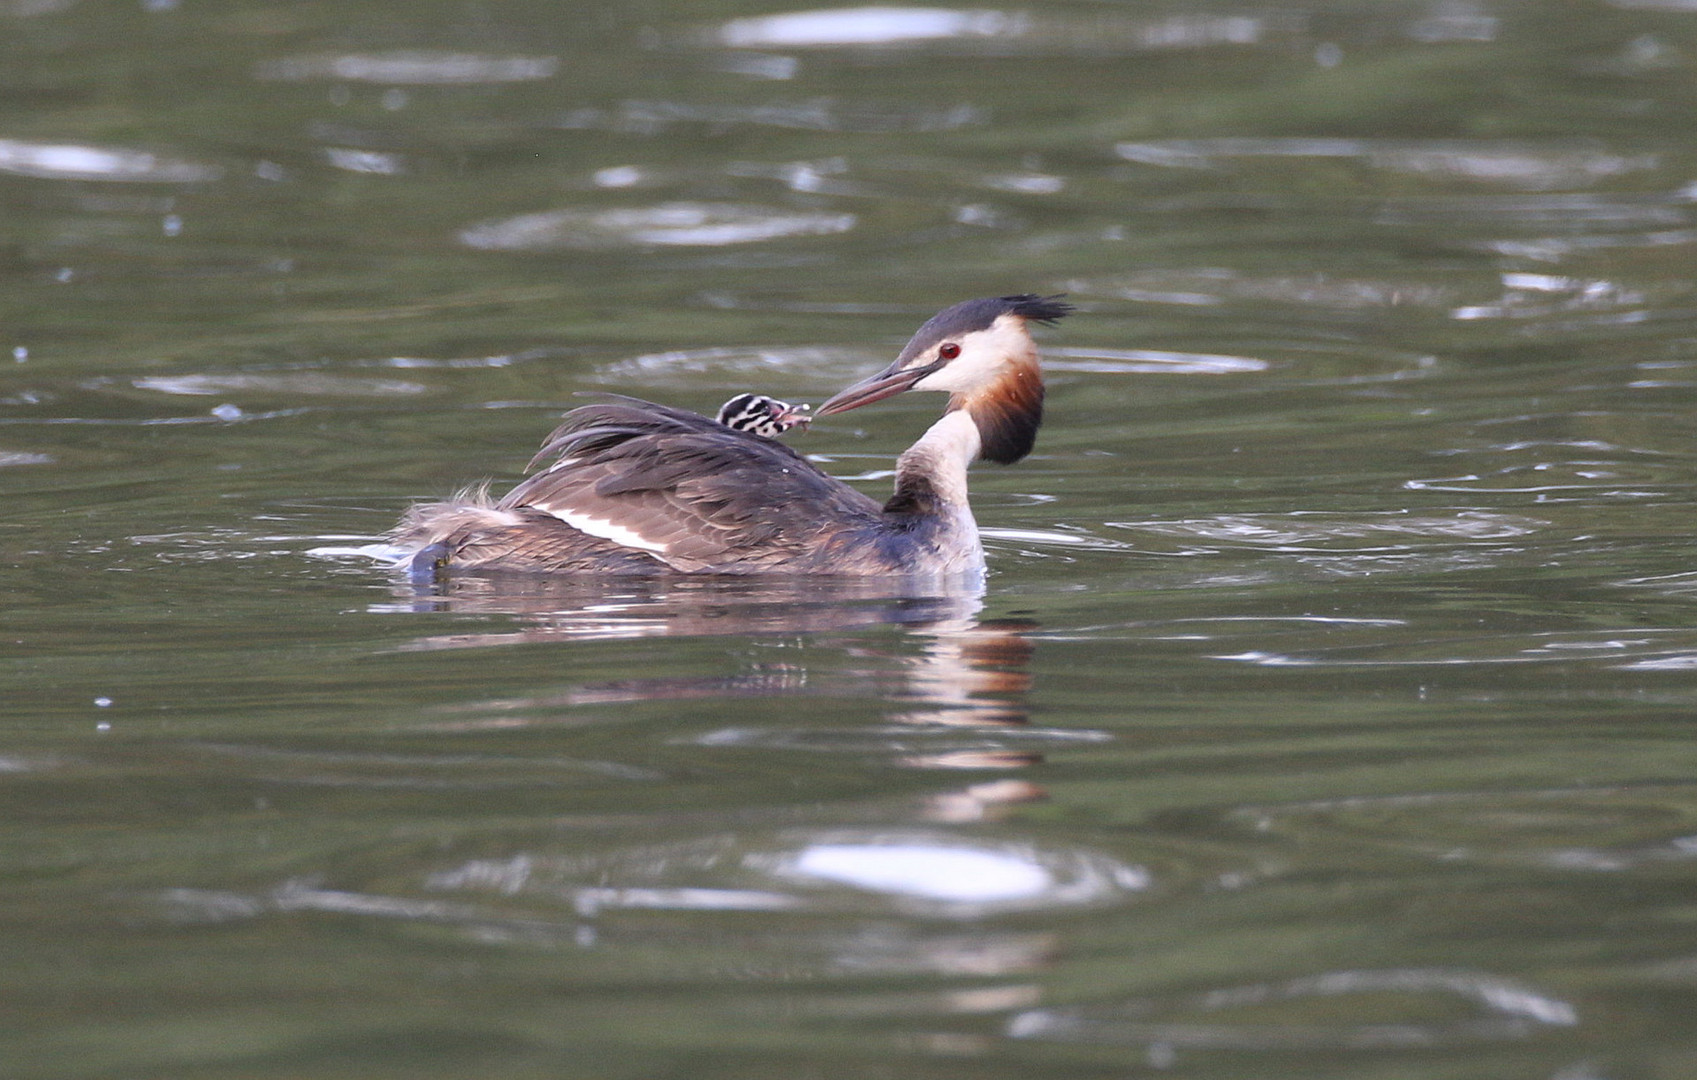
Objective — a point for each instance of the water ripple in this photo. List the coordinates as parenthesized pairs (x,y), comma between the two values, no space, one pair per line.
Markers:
(71,161)
(1592,829)
(945,875)
(405,68)
(315,384)
(864,26)
(1377,1007)
(1627,648)
(870,872)
(1210,286)
(1074,538)
(1682,584)
(1308,531)
(675,224)
(1147,362)
(974,735)
(1553,481)
(1533,167)
(1532,296)
(656,117)
(737,362)
(893,28)
(1573,213)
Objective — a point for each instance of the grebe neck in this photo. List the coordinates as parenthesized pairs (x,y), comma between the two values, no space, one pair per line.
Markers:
(931,474)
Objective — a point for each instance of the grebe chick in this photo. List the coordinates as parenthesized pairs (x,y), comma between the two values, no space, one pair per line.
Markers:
(763,415)
(640,488)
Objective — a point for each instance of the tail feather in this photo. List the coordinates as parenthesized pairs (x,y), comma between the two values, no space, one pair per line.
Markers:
(470,510)
(471,531)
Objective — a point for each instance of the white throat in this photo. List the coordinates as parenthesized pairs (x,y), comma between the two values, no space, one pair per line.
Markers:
(936,466)
(942,455)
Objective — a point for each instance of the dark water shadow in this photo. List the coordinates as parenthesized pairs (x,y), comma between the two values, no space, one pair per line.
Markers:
(611,608)
(948,670)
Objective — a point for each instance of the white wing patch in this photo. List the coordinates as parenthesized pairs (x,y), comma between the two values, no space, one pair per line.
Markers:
(606,530)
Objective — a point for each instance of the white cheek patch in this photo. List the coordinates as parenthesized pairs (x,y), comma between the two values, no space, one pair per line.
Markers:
(984,353)
(937,380)
(606,530)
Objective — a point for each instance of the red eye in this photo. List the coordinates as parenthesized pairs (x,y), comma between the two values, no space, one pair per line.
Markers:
(948,350)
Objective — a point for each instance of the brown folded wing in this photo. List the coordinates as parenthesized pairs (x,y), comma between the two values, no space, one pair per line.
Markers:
(687,491)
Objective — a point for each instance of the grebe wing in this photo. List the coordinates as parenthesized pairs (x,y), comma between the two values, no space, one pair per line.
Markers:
(622,417)
(686,489)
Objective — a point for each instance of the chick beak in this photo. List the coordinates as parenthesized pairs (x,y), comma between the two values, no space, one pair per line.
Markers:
(887,383)
(794,416)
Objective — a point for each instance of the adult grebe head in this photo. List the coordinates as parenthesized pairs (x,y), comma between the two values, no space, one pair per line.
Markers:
(981,354)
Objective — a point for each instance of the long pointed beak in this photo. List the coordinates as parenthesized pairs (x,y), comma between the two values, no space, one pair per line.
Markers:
(887,383)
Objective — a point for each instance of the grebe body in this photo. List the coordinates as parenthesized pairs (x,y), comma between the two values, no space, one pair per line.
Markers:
(640,488)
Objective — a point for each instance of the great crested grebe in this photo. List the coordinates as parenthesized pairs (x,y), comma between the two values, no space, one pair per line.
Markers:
(640,488)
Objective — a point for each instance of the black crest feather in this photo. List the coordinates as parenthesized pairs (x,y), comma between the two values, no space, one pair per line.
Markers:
(970,315)
(1043,309)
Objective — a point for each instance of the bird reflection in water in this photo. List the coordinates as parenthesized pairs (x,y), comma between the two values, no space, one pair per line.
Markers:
(880,882)
(957,701)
